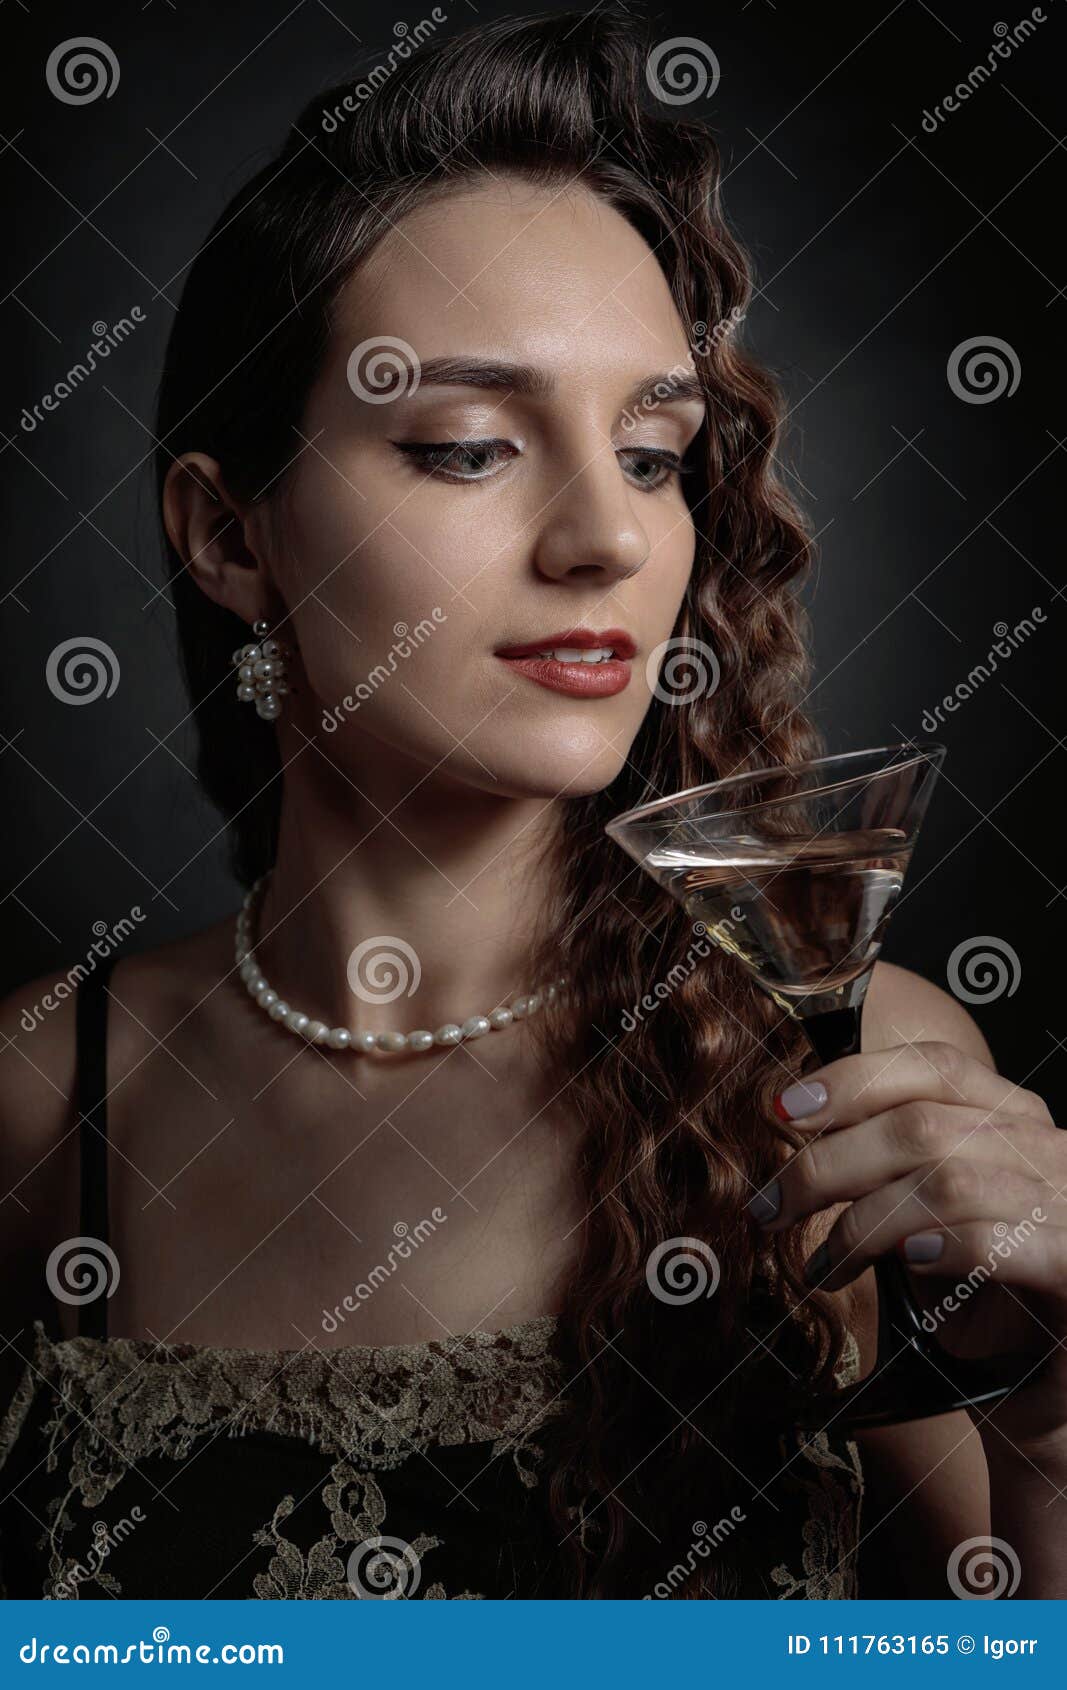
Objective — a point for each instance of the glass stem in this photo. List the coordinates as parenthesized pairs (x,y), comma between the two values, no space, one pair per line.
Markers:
(835,1033)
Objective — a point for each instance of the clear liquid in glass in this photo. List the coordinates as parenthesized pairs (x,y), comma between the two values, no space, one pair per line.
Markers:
(805,915)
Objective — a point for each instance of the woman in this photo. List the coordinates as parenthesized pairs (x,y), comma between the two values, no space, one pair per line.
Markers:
(458,374)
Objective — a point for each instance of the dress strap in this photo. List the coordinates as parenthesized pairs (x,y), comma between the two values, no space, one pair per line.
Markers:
(91,1104)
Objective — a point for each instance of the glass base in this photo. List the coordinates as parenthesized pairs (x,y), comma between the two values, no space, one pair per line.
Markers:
(913,1387)
(913,1376)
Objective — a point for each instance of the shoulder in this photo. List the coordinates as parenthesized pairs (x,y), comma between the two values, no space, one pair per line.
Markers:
(149,993)
(905,1008)
(37,1062)
(38,1156)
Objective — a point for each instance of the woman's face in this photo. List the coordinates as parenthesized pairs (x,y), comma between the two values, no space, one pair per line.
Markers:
(471,517)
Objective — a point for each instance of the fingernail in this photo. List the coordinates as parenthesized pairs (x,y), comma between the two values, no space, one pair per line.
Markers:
(804,1098)
(817,1265)
(766,1203)
(923,1246)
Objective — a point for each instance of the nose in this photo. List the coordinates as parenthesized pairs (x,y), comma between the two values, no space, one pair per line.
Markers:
(587,526)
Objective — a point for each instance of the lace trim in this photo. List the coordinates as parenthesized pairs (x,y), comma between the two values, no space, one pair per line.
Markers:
(847,1370)
(139,1398)
(378,1403)
(117,1401)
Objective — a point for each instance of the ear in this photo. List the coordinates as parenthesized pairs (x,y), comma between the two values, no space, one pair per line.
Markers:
(206,526)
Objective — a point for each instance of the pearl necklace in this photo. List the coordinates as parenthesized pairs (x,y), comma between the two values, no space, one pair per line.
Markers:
(342,1038)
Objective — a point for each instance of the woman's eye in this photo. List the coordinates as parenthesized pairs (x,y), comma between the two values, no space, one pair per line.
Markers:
(456,460)
(649,468)
(652,469)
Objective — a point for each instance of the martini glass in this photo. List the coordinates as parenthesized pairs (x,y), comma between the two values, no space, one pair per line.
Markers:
(794,871)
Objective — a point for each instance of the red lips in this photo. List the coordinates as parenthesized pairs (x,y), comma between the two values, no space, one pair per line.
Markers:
(579,639)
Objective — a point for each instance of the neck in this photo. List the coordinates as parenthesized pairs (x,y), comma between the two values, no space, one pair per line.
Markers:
(438,884)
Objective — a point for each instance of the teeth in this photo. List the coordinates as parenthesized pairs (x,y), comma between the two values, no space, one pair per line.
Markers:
(568,654)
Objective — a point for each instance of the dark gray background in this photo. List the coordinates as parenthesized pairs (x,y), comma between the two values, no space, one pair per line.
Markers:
(879,249)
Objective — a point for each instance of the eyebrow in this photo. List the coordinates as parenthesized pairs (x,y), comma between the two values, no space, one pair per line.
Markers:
(670,387)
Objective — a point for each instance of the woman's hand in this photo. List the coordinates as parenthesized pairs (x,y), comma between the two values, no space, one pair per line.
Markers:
(963,1174)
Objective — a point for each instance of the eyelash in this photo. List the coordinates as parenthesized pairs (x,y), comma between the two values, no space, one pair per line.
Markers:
(432,456)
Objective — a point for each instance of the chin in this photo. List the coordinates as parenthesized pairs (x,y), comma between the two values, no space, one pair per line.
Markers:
(549,777)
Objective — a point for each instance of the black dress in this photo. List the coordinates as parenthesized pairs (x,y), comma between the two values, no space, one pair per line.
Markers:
(140,1469)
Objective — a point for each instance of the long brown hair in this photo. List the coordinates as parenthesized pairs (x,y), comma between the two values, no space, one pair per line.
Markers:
(668,1401)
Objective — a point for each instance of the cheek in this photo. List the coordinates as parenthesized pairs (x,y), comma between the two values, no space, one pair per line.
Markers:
(383,616)
(390,577)
(369,535)
(350,573)
(400,653)
(667,573)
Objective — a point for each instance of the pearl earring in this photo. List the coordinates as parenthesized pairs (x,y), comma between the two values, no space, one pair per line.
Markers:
(261,673)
